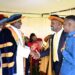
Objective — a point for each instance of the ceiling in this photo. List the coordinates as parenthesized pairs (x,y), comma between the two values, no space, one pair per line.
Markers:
(35,6)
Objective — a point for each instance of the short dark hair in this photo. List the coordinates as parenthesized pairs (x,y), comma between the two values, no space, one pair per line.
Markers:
(72,17)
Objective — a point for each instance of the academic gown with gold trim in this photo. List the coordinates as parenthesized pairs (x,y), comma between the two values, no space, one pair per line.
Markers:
(8,49)
(22,52)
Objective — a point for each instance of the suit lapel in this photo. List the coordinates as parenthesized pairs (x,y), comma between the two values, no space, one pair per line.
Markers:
(62,40)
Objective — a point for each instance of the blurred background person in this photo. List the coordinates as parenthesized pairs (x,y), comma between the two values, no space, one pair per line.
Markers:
(36,45)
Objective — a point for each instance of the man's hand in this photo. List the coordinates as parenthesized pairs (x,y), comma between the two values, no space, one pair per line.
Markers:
(35,54)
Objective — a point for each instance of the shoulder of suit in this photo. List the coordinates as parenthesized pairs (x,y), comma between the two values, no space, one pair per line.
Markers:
(6,30)
(64,32)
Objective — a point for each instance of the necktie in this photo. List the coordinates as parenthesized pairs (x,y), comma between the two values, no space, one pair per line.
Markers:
(55,48)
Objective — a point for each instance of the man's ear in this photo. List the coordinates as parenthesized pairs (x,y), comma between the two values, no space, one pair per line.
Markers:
(60,24)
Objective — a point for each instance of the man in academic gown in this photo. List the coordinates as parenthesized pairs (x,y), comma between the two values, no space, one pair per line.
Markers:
(22,50)
(8,48)
(57,42)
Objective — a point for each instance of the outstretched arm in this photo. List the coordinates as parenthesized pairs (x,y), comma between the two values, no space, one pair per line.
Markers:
(44,53)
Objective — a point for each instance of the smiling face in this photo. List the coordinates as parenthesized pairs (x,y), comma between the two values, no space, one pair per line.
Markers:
(17,24)
(69,25)
(56,25)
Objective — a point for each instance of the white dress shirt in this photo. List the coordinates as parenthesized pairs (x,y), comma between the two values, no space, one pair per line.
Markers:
(56,44)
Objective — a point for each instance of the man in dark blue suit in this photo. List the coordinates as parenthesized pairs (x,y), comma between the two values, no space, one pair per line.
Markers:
(57,42)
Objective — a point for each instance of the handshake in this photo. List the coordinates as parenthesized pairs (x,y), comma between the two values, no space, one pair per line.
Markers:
(35,54)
